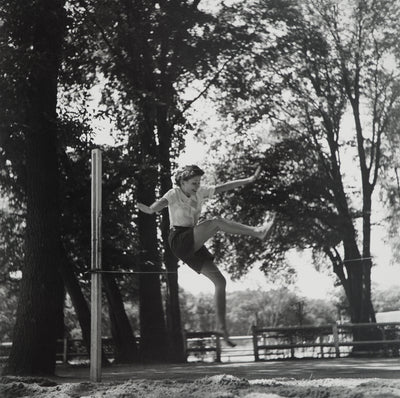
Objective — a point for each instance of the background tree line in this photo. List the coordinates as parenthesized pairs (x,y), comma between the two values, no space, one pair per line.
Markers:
(296,68)
(272,307)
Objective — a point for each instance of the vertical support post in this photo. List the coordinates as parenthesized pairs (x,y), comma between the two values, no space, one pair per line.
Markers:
(185,345)
(217,348)
(65,350)
(385,346)
(292,342)
(95,339)
(255,343)
(335,333)
(321,341)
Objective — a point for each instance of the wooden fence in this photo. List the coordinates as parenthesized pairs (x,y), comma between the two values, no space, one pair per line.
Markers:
(199,344)
(67,349)
(265,343)
(336,339)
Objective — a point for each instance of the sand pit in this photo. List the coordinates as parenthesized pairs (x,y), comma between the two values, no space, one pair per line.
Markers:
(217,386)
(336,378)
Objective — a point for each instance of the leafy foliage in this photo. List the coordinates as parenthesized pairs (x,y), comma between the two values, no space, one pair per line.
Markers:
(268,308)
(330,61)
(387,300)
(292,184)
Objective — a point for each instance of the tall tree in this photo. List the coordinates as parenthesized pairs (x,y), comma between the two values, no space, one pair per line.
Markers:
(118,240)
(154,50)
(352,70)
(330,65)
(391,185)
(36,32)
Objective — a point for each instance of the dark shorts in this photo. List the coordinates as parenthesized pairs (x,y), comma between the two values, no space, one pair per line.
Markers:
(181,242)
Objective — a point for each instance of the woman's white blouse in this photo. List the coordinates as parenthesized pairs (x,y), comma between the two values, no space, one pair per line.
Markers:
(184,211)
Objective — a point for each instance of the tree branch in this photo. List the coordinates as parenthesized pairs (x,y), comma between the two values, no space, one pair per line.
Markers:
(117,54)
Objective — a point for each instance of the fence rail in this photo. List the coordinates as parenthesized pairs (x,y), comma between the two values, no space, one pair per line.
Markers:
(338,339)
(265,343)
(203,342)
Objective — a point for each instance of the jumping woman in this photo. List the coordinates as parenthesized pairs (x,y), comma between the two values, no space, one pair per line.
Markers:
(187,236)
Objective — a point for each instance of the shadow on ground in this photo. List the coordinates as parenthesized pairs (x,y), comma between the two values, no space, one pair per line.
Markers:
(388,368)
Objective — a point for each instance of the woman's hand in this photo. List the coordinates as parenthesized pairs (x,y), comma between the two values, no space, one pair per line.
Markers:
(256,174)
(144,208)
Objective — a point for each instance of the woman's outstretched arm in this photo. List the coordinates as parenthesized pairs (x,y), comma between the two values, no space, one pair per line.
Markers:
(158,205)
(237,183)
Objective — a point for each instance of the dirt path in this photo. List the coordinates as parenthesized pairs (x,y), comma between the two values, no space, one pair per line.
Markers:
(388,368)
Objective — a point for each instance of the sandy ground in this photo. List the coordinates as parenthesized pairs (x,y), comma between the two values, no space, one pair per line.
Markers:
(342,378)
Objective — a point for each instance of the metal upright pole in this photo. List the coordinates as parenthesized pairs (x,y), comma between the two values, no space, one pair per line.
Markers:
(95,339)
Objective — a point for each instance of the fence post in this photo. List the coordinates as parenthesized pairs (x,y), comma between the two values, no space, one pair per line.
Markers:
(292,342)
(65,349)
(336,339)
(385,346)
(217,348)
(321,341)
(185,343)
(255,343)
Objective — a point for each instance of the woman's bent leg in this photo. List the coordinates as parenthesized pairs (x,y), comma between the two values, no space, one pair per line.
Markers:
(207,229)
(212,272)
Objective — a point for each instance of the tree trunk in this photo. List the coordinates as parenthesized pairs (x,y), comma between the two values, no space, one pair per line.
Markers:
(354,271)
(358,293)
(367,261)
(359,298)
(80,305)
(153,339)
(40,305)
(126,350)
(173,312)
(174,324)
(153,334)
(78,301)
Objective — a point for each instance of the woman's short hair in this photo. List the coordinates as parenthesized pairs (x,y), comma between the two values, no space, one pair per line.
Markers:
(186,173)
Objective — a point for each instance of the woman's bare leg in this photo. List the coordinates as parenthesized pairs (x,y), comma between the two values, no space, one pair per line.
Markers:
(207,229)
(213,273)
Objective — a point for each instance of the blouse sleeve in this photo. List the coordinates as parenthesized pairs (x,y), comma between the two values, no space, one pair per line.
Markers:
(170,196)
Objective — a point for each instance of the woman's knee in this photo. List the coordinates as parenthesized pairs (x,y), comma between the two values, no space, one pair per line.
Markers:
(220,282)
(213,273)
